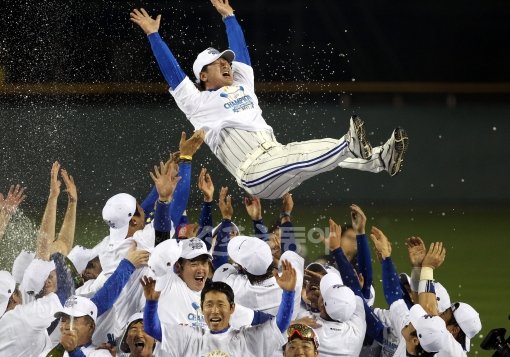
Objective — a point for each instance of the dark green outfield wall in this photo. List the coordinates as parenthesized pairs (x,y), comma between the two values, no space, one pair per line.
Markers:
(456,155)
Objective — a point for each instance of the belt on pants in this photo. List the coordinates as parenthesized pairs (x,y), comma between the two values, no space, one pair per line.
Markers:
(251,157)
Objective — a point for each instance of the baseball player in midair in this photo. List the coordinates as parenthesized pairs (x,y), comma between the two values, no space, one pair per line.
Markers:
(223,103)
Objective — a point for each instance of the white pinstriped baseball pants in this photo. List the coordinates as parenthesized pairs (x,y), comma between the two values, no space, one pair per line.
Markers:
(269,169)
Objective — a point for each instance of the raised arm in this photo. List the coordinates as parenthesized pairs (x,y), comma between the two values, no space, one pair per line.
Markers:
(254,210)
(151,323)
(287,282)
(426,293)
(288,238)
(220,254)
(167,63)
(65,240)
(9,205)
(205,222)
(359,221)
(46,234)
(235,35)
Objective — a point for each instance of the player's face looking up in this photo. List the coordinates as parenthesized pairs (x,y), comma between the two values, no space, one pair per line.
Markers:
(217,74)
(409,334)
(217,310)
(194,272)
(298,347)
(140,344)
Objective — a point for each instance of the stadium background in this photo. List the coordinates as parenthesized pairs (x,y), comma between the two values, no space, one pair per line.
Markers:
(78,84)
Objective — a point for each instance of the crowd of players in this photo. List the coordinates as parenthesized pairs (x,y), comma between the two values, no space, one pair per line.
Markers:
(160,285)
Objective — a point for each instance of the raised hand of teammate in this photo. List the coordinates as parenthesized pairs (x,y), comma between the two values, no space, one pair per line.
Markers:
(146,23)
(9,204)
(358,219)
(416,250)
(149,288)
(189,147)
(333,241)
(253,207)
(165,179)
(205,185)
(225,204)
(223,7)
(435,256)
(286,281)
(381,242)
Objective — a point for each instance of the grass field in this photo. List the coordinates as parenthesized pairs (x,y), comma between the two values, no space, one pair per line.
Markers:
(477,240)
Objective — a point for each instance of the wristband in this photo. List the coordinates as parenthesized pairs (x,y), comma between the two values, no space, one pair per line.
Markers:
(185,157)
(426,286)
(427,273)
(225,16)
(285,214)
(415,279)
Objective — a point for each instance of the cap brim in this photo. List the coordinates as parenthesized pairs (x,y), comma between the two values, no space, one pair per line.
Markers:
(467,343)
(229,55)
(67,312)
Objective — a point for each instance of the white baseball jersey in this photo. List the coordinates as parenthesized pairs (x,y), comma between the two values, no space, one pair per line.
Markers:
(131,299)
(391,337)
(178,304)
(239,136)
(342,338)
(261,340)
(265,296)
(399,317)
(451,349)
(23,329)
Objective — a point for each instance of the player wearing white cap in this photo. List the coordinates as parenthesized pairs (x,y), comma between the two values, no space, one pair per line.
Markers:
(217,303)
(135,341)
(253,281)
(225,105)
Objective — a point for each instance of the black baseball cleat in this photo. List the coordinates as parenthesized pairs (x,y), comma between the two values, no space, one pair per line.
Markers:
(393,151)
(357,138)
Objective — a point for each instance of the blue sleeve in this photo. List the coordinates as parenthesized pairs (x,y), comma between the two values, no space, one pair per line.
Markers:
(375,328)
(260,230)
(347,272)
(76,353)
(167,63)
(260,317)
(105,297)
(364,263)
(205,224)
(284,314)
(288,239)
(150,200)
(162,221)
(391,282)
(65,284)
(151,323)
(220,254)
(181,193)
(236,40)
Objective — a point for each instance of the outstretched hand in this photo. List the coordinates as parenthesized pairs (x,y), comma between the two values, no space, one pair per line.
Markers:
(381,242)
(149,288)
(165,179)
(205,184)
(14,197)
(190,146)
(138,258)
(223,7)
(358,218)
(146,23)
(435,256)
(225,204)
(334,240)
(55,182)
(72,192)
(287,281)
(253,207)
(416,250)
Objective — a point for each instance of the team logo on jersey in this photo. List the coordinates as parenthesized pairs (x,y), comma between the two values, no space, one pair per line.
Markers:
(237,100)
(217,353)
